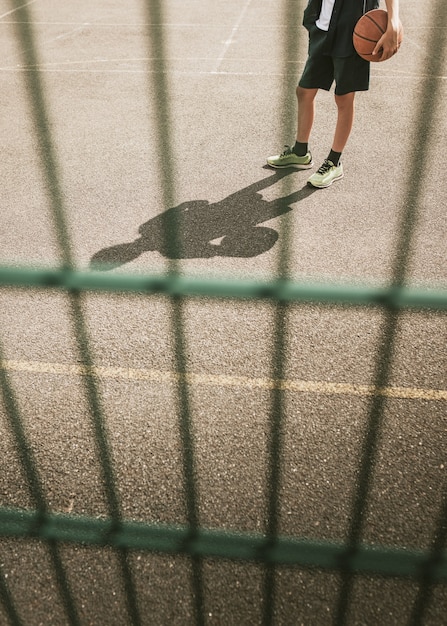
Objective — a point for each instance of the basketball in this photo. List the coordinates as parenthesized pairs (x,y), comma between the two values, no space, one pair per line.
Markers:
(367,32)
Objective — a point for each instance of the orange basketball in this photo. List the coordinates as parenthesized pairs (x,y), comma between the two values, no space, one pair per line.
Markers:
(367,32)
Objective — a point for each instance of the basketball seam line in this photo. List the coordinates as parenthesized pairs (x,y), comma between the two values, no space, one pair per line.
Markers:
(364,38)
(374,22)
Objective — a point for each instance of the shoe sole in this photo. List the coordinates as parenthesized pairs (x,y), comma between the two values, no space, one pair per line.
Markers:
(296,166)
(324,186)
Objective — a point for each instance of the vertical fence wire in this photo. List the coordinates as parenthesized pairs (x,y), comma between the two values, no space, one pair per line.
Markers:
(428,571)
(158,72)
(39,111)
(51,175)
(291,18)
(423,127)
(30,471)
(29,466)
(8,602)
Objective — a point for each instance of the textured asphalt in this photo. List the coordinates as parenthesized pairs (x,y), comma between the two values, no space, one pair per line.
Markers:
(230,70)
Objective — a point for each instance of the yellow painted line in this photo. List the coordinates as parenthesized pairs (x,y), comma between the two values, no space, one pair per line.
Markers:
(221,380)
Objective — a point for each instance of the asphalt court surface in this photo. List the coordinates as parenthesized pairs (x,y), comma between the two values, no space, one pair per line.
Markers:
(231,69)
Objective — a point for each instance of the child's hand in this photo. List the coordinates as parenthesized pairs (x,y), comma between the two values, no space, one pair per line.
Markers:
(388,43)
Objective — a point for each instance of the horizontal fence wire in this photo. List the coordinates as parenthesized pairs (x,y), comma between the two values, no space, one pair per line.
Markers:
(238,546)
(395,297)
(352,557)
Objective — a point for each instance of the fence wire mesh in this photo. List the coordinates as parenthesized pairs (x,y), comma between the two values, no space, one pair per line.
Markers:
(270,549)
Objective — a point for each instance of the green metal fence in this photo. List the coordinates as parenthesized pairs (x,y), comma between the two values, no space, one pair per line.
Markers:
(350,558)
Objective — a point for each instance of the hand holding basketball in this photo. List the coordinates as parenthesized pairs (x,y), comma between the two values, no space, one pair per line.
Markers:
(371,35)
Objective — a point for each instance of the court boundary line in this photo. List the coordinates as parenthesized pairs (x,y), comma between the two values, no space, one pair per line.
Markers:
(16,9)
(408,27)
(230,40)
(222,380)
(172,71)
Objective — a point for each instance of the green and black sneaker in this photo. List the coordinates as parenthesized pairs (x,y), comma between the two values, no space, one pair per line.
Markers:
(289,159)
(326,175)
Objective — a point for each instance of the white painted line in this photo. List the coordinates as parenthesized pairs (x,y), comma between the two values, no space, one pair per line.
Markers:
(222,380)
(183,24)
(70,32)
(138,24)
(17,8)
(45,68)
(230,40)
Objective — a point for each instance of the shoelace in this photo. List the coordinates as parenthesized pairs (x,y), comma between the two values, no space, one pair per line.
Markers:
(287,151)
(325,167)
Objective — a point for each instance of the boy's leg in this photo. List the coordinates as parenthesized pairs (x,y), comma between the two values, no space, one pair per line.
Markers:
(345,120)
(298,156)
(306,113)
(318,73)
(332,169)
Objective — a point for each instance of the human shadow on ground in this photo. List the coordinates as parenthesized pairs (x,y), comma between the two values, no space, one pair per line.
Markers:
(198,229)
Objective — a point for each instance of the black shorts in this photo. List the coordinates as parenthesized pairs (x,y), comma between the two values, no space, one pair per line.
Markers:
(350,73)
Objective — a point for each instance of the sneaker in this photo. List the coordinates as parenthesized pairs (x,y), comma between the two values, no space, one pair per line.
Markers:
(289,159)
(326,175)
